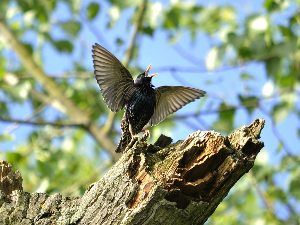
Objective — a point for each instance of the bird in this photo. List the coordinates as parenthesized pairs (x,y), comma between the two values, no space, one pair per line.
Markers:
(143,102)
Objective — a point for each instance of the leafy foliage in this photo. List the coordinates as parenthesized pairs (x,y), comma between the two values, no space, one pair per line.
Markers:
(251,56)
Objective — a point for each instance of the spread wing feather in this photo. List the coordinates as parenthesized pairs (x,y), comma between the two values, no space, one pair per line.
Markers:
(114,79)
(169,99)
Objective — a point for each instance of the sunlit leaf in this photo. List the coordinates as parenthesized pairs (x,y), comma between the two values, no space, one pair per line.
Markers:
(2,67)
(20,91)
(214,57)
(258,23)
(268,89)
(6,137)
(115,14)
(14,157)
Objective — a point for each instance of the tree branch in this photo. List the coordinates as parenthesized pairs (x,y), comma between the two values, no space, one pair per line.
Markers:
(264,198)
(182,183)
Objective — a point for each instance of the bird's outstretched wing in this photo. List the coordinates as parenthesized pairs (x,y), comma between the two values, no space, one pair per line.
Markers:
(171,98)
(114,79)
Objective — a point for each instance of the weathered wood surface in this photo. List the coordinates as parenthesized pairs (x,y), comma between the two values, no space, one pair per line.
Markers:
(180,183)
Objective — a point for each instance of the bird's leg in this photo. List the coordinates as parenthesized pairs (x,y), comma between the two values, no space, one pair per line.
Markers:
(144,131)
(132,135)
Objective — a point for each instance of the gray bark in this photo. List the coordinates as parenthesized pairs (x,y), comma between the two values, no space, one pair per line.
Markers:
(181,183)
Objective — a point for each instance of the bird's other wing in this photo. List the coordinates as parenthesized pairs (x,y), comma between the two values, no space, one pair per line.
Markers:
(171,98)
(114,79)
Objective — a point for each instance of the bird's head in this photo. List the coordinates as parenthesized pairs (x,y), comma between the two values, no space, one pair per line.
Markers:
(144,78)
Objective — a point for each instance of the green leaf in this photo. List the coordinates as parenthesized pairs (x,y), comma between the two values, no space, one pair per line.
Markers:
(272,66)
(71,27)
(42,14)
(4,6)
(280,112)
(236,41)
(250,103)
(172,18)
(92,10)
(2,67)
(294,187)
(226,118)
(247,77)
(13,157)
(24,5)
(6,137)
(287,81)
(285,49)
(148,30)
(259,46)
(3,109)
(245,53)
(122,4)
(63,46)
(277,193)
(119,42)
(271,5)
(28,47)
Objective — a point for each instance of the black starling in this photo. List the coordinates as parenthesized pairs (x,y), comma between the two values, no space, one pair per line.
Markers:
(143,103)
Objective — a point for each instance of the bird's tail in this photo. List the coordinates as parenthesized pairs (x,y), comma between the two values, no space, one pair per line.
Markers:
(125,137)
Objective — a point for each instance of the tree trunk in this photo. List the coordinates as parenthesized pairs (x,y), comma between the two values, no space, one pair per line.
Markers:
(164,183)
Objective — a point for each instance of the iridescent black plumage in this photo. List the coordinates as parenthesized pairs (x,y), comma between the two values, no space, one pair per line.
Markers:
(143,103)
(140,107)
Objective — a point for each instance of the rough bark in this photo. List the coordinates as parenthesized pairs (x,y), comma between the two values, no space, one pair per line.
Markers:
(164,183)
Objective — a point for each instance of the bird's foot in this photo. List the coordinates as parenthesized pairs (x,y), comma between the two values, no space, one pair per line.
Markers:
(147,132)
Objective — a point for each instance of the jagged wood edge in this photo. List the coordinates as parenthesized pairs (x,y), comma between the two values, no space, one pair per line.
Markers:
(121,197)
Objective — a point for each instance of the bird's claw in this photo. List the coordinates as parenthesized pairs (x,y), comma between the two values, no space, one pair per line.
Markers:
(147,132)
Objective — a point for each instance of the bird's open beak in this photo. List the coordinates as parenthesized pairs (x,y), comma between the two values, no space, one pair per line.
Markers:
(152,75)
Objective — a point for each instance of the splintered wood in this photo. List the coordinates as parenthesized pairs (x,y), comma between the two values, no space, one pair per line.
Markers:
(198,168)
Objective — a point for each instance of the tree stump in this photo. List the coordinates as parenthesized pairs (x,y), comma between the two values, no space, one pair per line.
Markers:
(180,183)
